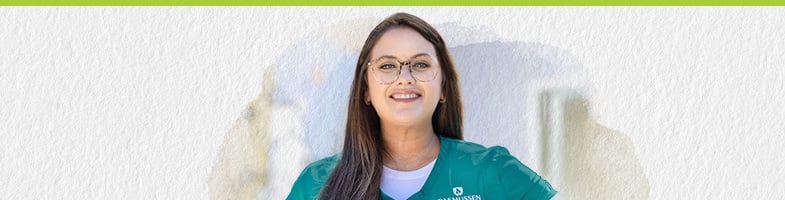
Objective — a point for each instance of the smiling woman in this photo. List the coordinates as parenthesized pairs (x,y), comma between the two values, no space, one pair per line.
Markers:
(404,130)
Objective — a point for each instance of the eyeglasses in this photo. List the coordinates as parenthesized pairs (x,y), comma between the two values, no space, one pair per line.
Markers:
(387,69)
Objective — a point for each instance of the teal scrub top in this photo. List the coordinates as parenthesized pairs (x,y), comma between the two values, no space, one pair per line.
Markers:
(463,171)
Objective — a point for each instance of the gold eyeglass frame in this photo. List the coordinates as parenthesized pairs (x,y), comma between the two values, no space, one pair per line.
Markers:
(401,65)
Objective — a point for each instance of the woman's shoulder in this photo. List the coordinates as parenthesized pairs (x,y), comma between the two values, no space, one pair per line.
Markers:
(312,178)
(323,166)
(478,152)
(500,169)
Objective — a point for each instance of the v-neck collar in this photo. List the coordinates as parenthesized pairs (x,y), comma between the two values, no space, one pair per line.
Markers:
(435,173)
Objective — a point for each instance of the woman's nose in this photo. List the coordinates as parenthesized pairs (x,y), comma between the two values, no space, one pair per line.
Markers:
(405,77)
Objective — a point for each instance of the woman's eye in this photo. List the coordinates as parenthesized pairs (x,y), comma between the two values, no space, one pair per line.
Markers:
(387,66)
(421,65)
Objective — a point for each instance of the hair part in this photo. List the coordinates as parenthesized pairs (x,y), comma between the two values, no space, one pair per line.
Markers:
(357,174)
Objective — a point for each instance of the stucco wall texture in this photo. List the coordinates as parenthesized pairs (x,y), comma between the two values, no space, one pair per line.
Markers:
(206,102)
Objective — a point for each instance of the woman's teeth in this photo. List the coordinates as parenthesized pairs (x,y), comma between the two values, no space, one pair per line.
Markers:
(404,96)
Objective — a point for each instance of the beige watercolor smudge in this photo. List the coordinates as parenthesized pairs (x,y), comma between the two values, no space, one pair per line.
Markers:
(242,167)
(240,172)
(595,162)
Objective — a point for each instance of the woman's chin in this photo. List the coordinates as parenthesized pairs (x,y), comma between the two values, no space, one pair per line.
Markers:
(407,118)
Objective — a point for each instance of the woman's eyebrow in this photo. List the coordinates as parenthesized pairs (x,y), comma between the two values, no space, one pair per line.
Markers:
(394,57)
(386,56)
(421,54)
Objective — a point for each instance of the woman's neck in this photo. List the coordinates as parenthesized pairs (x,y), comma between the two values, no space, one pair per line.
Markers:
(410,148)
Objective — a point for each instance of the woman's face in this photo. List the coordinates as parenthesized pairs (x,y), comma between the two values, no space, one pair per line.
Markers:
(405,101)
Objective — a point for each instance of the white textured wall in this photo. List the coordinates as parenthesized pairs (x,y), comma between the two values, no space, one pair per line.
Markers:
(135,102)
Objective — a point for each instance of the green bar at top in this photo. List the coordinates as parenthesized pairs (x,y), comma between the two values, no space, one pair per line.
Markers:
(391,3)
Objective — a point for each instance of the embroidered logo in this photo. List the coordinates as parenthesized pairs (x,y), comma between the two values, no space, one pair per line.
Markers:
(458,191)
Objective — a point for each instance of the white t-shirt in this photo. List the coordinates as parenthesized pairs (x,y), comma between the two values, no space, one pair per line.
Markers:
(402,184)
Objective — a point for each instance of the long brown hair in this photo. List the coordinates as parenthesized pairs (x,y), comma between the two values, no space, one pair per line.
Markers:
(358,173)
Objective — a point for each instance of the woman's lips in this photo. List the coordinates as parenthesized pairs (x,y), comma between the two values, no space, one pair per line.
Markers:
(405,97)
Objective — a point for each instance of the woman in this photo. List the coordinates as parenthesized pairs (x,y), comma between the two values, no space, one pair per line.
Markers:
(404,130)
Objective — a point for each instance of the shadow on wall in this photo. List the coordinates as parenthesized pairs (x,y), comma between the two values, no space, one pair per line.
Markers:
(584,158)
(299,115)
(500,82)
(297,118)
(241,169)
